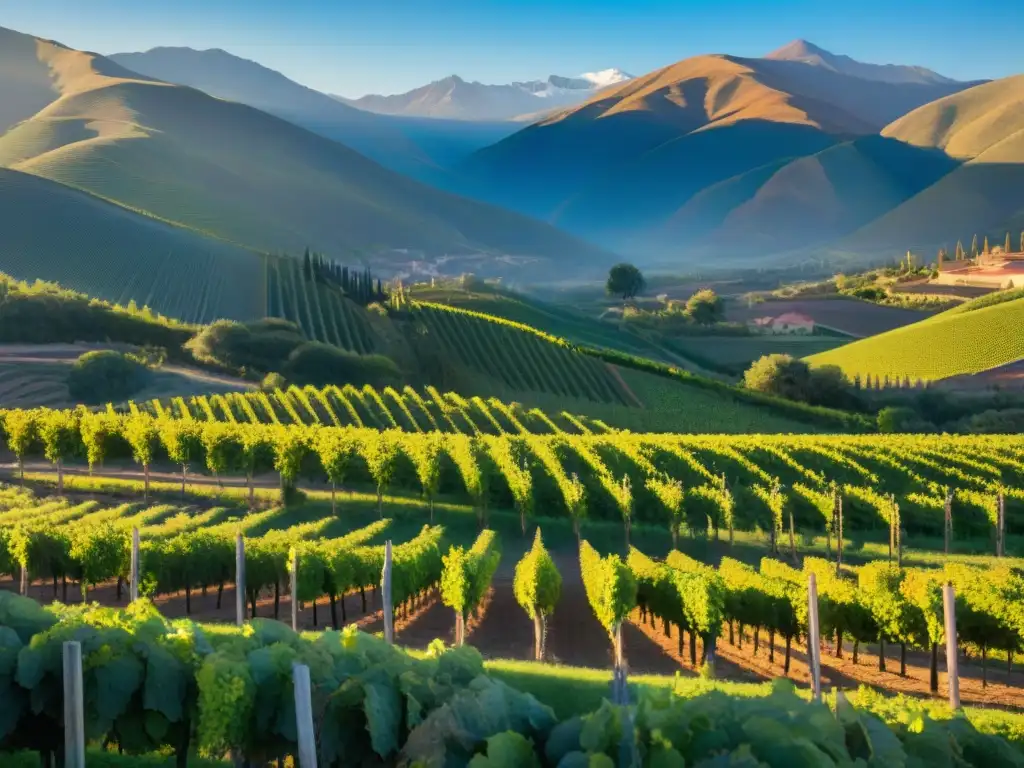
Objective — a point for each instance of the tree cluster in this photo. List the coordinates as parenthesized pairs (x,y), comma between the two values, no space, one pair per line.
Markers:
(358,285)
(793,379)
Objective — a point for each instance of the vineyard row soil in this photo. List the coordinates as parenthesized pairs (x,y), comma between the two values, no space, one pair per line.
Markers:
(501,629)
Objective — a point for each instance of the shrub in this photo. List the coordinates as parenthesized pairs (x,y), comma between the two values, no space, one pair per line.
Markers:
(262,346)
(322,364)
(273,381)
(785,376)
(705,307)
(899,418)
(106,376)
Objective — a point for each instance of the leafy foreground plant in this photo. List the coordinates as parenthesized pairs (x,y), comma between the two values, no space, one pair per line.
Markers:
(151,685)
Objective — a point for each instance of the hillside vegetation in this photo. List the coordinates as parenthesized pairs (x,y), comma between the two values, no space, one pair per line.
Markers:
(955,342)
(231,172)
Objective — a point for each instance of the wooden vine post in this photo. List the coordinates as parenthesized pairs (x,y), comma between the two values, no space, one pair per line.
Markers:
(839,533)
(952,669)
(74,706)
(813,636)
(1001,525)
(948,525)
(304,716)
(134,586)
(239,580)
(385,589)
(295,596)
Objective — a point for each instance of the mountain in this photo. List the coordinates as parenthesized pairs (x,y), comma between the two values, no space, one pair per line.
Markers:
(982,129)
(625,163)
(235,174)
(455,98)
(230,77)
(809,53)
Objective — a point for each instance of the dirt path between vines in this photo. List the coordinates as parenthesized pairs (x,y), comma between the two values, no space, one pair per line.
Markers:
(503,630)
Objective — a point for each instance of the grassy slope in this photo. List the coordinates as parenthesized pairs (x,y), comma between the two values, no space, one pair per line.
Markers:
(984,128)
(115,254)
(231,171)
(949,344)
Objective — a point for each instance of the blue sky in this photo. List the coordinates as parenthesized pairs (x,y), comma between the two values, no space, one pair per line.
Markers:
(388,46)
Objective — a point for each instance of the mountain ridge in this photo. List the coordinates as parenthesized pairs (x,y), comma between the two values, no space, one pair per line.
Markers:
(239,174)
(457,98)
(807,52)
(624,163)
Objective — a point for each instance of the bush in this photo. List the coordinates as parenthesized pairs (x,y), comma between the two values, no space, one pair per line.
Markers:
(106,376)
(898,418)
(705,307)
(785,376)
(261,346)
(273,381)
(322,364)
(994,422)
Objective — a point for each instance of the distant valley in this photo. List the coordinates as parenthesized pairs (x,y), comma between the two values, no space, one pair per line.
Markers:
(802,154)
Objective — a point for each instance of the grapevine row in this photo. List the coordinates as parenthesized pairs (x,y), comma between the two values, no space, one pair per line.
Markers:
(702,483)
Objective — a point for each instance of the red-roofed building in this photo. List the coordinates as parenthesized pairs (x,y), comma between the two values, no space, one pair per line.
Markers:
(793,322)
(790,322)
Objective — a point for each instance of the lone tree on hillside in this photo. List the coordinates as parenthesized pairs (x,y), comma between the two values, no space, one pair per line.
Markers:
(625,280)
(705,307)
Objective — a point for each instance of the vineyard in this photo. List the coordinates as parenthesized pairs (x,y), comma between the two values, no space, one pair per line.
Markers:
(973,337)
(321,310)
(408,410)
(518,355)
(961,488)
(231,692)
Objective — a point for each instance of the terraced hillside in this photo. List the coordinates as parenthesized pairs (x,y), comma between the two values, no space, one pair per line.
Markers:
(322,311)
(973,337)
(552,318)
(519,356)
(408,410)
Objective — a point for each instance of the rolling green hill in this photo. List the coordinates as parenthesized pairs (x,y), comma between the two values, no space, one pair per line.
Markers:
(959,341)
(115,254)
(236,174)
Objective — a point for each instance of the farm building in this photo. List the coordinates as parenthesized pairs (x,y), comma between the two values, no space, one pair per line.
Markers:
(787,323)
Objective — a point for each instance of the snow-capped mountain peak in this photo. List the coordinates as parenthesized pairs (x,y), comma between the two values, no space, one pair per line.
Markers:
(456,98)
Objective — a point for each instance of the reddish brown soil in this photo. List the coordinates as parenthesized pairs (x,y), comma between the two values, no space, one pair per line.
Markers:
(501,629)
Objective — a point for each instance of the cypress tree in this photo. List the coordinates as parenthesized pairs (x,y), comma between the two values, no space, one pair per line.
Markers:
(985,251)
(307,267)
(344,279)
(1006,248)
(380,289)
(960,250)
(974,247)
(1022,241)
